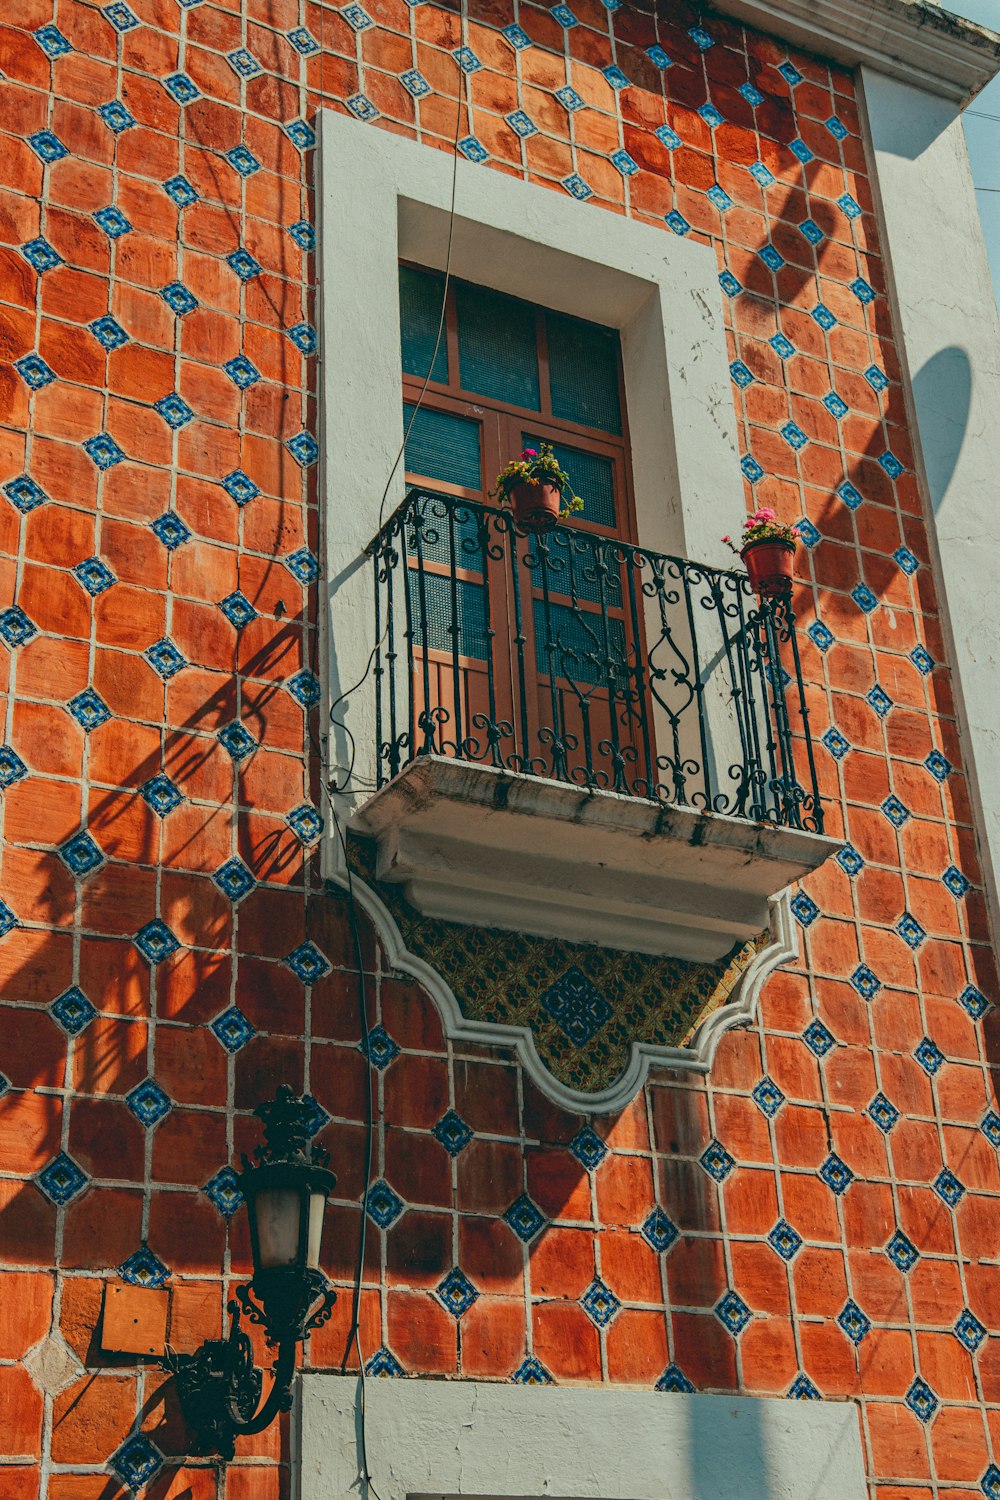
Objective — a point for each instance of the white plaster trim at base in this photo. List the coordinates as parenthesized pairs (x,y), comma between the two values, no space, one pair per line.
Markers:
(920,43)
(471,1438)
(739,1010)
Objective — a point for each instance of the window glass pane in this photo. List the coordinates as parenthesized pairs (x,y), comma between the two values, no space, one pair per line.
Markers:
(572,641)
(442,446)
(583,373)
(497,346)
(420,296)
(591,476)
(431,608)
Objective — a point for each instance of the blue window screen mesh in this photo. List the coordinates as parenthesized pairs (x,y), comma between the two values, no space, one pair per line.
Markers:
(497,346)
(577,645)
(432,614)
(442,446)
(571,567)
(591,476)
(583,373)
(420,297)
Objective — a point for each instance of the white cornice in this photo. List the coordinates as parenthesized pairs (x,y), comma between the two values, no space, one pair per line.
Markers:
(918,42)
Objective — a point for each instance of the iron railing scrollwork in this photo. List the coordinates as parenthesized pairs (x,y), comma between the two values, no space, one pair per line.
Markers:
(581,658)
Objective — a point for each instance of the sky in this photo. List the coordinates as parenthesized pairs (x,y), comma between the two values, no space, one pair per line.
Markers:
(982,131)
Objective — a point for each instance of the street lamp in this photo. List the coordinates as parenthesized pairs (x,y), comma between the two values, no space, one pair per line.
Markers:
(286,1186)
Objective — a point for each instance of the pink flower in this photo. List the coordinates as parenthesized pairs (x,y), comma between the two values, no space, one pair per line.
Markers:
(764,514)
(530,453)
(727,538)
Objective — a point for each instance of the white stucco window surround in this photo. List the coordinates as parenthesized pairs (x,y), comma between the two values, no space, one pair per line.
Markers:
(456,1438)
(470,843)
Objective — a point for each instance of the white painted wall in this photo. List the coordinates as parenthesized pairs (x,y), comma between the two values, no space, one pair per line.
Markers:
(457,1438)
(946,321)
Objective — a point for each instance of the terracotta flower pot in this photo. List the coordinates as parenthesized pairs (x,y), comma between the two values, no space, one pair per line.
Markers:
(536,504)
(769,566)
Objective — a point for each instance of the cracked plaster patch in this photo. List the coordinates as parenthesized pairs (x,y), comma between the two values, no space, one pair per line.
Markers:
(52,1364)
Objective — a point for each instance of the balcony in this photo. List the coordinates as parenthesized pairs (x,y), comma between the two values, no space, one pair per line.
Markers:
(583,739)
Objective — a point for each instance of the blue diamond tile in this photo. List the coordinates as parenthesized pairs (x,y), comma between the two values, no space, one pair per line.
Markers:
(379,1048)
(570,99)
(531,1371)
(751,468)
(357,17)
(876,378)
(822,315)
(89,710)
(969,1331)
(160,794)
(891,464)
(837,128)
(878,699)
(974,1002)
(790,73)
(895,811)
(784,1240)
(164,658)
(768,1097)
(939,766)
(180,191)
(741,375)
(244,264)
(865,982)
(178,298)
(155,941)
(181,88)
(73,1011)
(93,576)
(303,234)
(835,406)
(664,135)
(137,1462)
(618,80)
(564,16)
(304,337)
(243,63)
(802,1389)
(719,198)
(232,1029)
(468,61)
(800,150)
(771,257)
(761,174)
(521,124)
(317,1118)
(234,879)
(12,767)
(733,1313)
(948,1188)
(116,117)
(955,882)
(884,1113)
(576,1006)
(659,1232)
(804,909)
(40,254)
(702,39)
(910,930)
(108,332)
(851,496)
(143,1268)
(717,1161)
(902,1252)
(35,373)
(587,1148)
(382,1205)
(677,222)
(121,16)
(473,150)
(729,284)
(51,41)
(384,1365)
(864,598)
(304,688)
(148,1103)
(818,1039)
(673,1379)
(922,660)
(81,855)
(853,1322)
(456,1292)
(242,372)
(810,231)
(237,740)
(47,146)
(783,348)
(990,1483)
(304,448)
(524,1218)
(303,41)
(863,291)
(836,1174)
(240,487)
(794,436)
(658,57)
(808,534)
(929,1056)
(237,609)
(243,161)
(600,1303)
(301,134)
(113,222)
(363,109)
(921,1400)
(308,963)
(753,96)
(625,164)
(224,1191)
(61,1180)
(305,822)
(990,1126)
(849,206)
(8,921)
(453,1133)
(174,410)
(170,530)
(15,627)
(835,742)
(712,117)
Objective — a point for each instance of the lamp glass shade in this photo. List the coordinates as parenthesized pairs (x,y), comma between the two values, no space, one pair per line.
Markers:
(277,1211)
(317,1210)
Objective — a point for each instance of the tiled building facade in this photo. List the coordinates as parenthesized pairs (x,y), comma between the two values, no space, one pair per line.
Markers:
(816,1216)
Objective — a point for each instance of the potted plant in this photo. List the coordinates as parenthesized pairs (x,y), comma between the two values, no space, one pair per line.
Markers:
(537,489)
(767,548)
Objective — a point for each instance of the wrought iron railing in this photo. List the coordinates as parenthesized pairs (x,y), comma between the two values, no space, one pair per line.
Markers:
(572,656)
